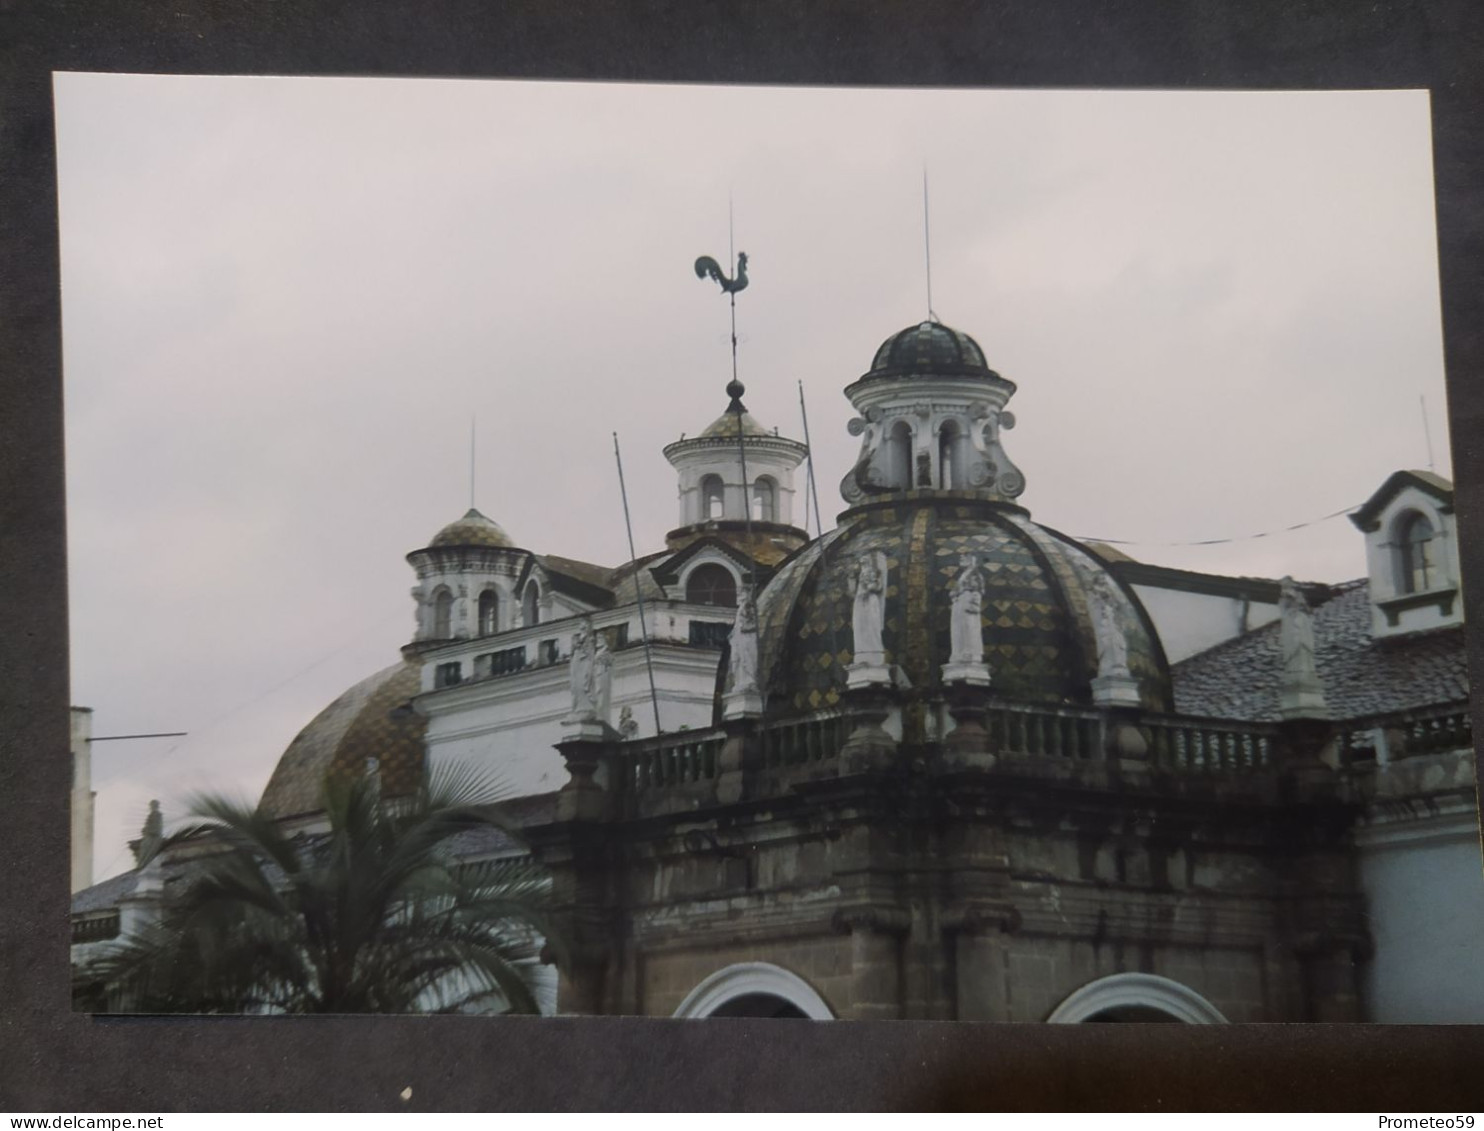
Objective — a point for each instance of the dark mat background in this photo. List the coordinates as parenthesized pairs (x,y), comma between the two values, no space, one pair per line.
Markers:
(54,1061)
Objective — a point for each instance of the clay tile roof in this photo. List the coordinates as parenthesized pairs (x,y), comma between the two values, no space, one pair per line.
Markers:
(1362,677)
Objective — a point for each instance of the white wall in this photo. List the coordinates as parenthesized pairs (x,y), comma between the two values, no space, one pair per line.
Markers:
(1188,623)
(1425,892)
(513,722)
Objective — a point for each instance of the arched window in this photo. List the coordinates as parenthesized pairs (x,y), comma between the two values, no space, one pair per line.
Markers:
(488,613)
(711,497)
(765,500)
(711,584)
(443,615)
(1416,571)
(530,604)
(899,456)
(948,456)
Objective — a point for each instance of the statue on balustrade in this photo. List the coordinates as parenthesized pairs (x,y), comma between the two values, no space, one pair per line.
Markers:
(742,664)
(602,677)
(580,674)
(1296,633)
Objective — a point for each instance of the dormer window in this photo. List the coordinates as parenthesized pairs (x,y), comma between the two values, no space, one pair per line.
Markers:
(711,584)
(488,613)
(1411,554)
(530,604)
(1416,564)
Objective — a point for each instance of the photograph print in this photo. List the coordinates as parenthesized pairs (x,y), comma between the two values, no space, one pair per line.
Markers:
(701,552)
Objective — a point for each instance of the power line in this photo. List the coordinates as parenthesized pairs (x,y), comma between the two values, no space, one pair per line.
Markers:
(1222,541)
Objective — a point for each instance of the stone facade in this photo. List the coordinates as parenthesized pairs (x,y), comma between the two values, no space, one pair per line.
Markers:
(898,882)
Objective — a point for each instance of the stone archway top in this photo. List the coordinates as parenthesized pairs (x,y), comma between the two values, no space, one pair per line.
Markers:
(744,978)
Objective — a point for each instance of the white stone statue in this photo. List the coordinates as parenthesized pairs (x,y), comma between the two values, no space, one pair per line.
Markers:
(1296,634)
(1301,694)
(1112,647)
(580,674)
(628,726)
(965,626)
(868,614)
(742,663)
(602,677)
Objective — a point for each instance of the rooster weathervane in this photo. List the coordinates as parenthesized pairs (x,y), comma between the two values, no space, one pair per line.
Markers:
(707,266)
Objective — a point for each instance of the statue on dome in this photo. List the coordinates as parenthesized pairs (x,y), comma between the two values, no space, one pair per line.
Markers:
(868,613)
(1111,644)
(965,626)
(742,664)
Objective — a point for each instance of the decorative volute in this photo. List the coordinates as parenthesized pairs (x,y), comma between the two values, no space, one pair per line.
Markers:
(931,414)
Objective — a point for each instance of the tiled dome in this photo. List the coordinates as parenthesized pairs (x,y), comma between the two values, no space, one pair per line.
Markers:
(362,723)
(474,529)
(929,348)
(726,425)
(1038,635)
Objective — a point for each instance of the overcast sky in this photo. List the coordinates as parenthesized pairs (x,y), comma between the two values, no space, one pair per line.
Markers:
(284,299)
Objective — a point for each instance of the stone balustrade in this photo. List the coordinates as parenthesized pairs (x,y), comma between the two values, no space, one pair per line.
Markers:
(1185,747)
(670,760)
(96,928)
(1059,732)
(802,741)
(1196,746)
(1392,738)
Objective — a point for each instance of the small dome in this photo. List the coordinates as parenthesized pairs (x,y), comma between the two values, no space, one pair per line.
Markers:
(474,529)
(726,425)
(930,348)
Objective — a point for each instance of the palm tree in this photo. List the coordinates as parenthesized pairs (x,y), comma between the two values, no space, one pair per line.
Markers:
(376,915)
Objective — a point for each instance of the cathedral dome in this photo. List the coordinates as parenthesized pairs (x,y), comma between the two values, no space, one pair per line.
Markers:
(362,723)
(474,529)
(929,348)
(1039,639)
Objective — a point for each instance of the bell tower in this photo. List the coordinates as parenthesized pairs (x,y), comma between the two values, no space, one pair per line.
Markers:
(734,478)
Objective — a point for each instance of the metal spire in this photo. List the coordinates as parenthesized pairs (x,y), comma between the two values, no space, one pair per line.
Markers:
(654,698)
(927,244)
(706,266)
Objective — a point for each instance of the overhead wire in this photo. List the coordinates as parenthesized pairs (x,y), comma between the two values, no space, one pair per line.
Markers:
(1223,541)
